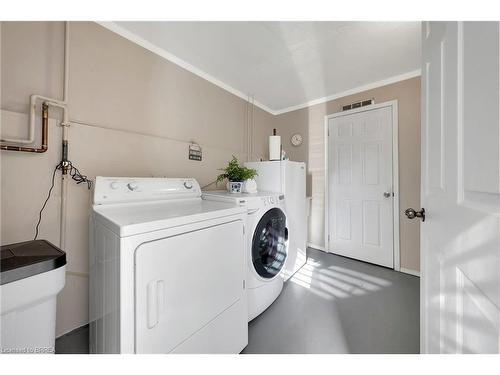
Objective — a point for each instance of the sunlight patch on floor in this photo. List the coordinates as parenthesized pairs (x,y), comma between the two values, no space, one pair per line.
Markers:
(336,282)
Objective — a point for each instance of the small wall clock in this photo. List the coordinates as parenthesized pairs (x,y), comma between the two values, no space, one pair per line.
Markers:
(296,140)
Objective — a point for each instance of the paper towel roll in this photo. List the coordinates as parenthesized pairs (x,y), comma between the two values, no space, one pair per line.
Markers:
(274,147)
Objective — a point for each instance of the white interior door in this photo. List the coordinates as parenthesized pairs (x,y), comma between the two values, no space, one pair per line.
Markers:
(460,265)
(360,185)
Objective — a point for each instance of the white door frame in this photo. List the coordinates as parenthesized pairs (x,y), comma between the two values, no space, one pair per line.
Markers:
(393,104)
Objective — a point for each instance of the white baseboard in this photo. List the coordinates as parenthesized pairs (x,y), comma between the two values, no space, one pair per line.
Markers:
(317,247)
(409,272)
(402,269)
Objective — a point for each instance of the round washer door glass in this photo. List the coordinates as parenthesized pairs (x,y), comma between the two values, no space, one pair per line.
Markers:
(269,245)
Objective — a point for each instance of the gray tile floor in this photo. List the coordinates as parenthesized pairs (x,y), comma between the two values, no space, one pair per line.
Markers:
(332,305)
(339,305)
(75,342)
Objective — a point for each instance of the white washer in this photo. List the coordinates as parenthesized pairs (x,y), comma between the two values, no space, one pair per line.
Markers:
(289,178)
(167,269)
(267,242)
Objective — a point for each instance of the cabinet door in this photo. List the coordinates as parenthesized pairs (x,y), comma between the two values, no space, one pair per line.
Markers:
(183,282)
(296,211)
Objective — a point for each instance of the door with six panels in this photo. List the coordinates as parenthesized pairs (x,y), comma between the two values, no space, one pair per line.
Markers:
(360,185)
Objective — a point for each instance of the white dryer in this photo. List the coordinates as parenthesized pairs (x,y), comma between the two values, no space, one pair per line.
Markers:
(167,269)
(266,244)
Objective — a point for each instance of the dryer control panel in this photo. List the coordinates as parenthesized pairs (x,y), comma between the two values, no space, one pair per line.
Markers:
(110,190)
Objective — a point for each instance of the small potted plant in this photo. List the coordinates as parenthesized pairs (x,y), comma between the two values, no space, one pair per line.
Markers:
(236,176)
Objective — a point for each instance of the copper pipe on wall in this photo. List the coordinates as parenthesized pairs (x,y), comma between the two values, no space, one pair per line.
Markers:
(45,136)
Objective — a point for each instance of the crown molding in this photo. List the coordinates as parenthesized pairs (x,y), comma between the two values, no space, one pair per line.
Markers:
(356,90)
(112,26)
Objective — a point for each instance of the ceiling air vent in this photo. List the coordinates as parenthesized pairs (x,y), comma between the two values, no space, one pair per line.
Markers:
(359,104)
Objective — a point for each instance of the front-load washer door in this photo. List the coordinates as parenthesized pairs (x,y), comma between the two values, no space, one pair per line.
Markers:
(184,282)
(269,244)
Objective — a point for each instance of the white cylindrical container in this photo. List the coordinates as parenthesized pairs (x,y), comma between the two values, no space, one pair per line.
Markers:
(28,292)
(249,186)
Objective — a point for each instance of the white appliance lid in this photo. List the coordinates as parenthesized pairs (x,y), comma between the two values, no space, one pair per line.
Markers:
(136,218)
(134,205)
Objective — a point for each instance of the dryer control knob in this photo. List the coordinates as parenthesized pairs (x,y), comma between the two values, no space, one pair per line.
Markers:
(132,186)
(188,184)
(114,185)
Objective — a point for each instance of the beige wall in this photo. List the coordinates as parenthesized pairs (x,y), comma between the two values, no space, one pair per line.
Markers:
(310,123)
(133,114)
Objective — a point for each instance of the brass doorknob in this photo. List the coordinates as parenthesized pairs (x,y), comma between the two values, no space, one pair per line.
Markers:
(412,214)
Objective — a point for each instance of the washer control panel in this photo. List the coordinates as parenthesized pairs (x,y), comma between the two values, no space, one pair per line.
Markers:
(268,201)
(271,200)
(135,189)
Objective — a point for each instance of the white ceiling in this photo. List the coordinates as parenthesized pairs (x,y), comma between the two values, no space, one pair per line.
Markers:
(284,65)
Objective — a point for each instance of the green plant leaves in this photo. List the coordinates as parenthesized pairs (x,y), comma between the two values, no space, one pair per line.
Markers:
(235,172)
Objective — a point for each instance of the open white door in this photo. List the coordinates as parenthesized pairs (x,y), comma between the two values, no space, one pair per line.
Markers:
(460,239)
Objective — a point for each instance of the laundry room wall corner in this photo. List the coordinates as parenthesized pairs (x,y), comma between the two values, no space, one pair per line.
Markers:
(132,113)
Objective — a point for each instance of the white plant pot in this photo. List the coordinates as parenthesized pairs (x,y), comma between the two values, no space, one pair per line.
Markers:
(234,187)
(250,186)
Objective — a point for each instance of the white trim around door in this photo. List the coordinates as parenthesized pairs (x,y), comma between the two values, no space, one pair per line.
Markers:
(393,104)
